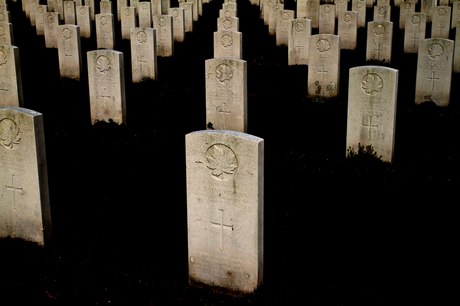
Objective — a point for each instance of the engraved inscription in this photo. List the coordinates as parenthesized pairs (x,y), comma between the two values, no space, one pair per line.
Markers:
(222,227)
(9,134)
(435,50)
(382,10)
(284,16)
(327,10)
(370,126)
(127,12)
(433,79)
(161,22)
(227,14)
(221,162)
(441,12)
(323,45)
(103,64)
(372,84)
(104,20)
(224,73)
(50,18)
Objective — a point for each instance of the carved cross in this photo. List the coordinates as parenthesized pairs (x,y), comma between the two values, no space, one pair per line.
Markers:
(224,113)
(13,188)
(222,226)
(370,125)
(433,79)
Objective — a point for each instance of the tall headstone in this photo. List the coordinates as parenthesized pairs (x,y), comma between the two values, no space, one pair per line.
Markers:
(405,8)
(128,21)
(379,41)
(24,195)
(226,94)
(313,12)
(340,6)
(414,32)
(165,42)
(299,41)
(324,66)
(440,27)
(165,5)
(33,11)
(51,29)
(348,30)
(266,8)
(106,78)
(145,15)
(84,21)
(372,97)
(275,10)
(427,7)
(121,4)
(359,6)
(10,77)
(143,54)
(92,5)
(69,12)
(178,23)
(228,24)
(6,33)
(40,19)
(434,71)
(105,7)
(301,9)
(69,51)
(327,19)
(225,208)
(228,44)
(51,5)
(188,15)
(156,7)
(283,25)
(105,29)
(382,13)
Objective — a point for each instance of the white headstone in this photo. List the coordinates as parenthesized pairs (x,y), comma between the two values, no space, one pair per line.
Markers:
(405,8)
(340,6)
(382,13)
(440,26)
(427,7)
(145,15)
(165,5)
(10,77)
(69,12)
(301,9)
(40,19)
(6,33)
(178,23)
(143,54)
(228,44)
(228,24)
(414,31)
(283,26)
(359,6)
(188,15)
(379,41)
(165,42)
(33,10)
(327,19)
(226,12)
(225,204)
(105,29)
(84,21)
(299,41)
(276,8)
(128,21)
(156,7)
(92,5)
(348,30)
(5,17)
(313,12)
(69,50)
(51,29)
(105,7)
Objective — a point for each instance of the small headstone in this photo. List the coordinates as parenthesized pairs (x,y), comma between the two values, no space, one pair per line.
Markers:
(165,42)
(156,7)
(324,66)
(348,30)
(105,7)
(188,15)
(313,12)
(340,6)
(105,29)
(327,19)
(51,29)
(143,54)
(10,77)
(427,7)
(382,13)
(69,50)
(414,31)
(456,64)
(228,24)
(92,5)
(120,5)
(379,41)
(299,41)
(405,8)
(40,19)
(301,9)
(145,15)
(24,197)
(434,71)
(283,26)
(228,44)
(440,22)
(178,23)
(274,11)
(225,205)
(226,94)
(359,6)
(6,33)
(128,21)
(84,21)
(106,78)
(372,95)
(455,14)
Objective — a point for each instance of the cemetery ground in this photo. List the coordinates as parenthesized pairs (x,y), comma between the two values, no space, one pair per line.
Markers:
(338,231)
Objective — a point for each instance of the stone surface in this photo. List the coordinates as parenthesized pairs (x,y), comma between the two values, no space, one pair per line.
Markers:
(10,77)
(69,50)
(359,6)
(276,8)
(327,19)
(340,6)
(228,24)
(283,26)
(226,94)
(40,19)
(92,5)
(145,15)
(301,9)
(128,21)
(188,15)
(24,195)
(226,13)
(379,41)
(313,12)
(165,42)
(455,14)
(121,4)
(414,32)
(427,7)
(382,13)
(434,71)
(5,17)
(228,44)
(33,10)
(299,41)
(105,7)
(105,31)
(440,26)
(6,33)
(405,8)
(69,12)
(106,80)
(348,30)
(178,23)
(324,66)
(51,29)
(165,5)
(225,209)
(156,7)
(84,21)
(143,54)
(372,100)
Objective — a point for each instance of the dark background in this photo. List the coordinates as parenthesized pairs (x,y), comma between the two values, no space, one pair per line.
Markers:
(338,231)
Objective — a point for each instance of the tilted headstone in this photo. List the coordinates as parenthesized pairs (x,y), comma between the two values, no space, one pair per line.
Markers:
(228,44)
(106,78)
(299,41)
(455,14)
(24,195)
(156,7)
(359,6)
(427,7)
(440,26)
(414,32)
(51,29)
(456,63)
(143,54)
(10,77)
(178,23)
(5,17)
(327,19)
(340,6)
(313,12)
(274,11)
(105,29)
(372,97)
(405,8)
(379,41)
(40,19)
(324,66)
(188,15)
(105,7)
(226,94)
(434,71)
(92,5)
(382,13)
(145,15)
(165,42)
(228,24)
(283,26)
(128,21)
(69,12)
(225,204)
(120,5)
(348,30)
(6,33)
(84,21)
(69,51)
(301,9)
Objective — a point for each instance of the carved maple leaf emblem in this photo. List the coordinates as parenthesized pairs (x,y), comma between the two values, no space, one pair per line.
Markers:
(372,84)
(9,133)
(221,161)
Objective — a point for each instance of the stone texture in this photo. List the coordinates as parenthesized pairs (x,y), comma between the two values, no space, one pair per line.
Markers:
(427,7)
(156,7)
(188,15)
(51,29)
(121,4)
(407,7)
(327,19)
(165,42)
(105,31)
(178,23)
(33,10)
(69,50)
(226,12)
(106,80)
(40,19)
(379,41)
(283,25)
(69,12)
(84,21)
(24,195)
(340,6)
(348,30)
(225,208)
(6,33)
(10,77)
(145,15)
(414,32)
(455,14)
(372,96)
(440,26)
(359,6)
(105,7)
(228,44)
(128,21)
(301,9)
(299,41)
(313,12)
(276,8)
(382,13)
(228,24)
(92,5)
(165,5)
(5,17)
(143,54)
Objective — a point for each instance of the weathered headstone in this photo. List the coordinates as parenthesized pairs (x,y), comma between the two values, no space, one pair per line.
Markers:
(69,51)
(414,32)
(92,5)
(299,41)
(228,24)
(455,14)
(456,63)
(33,11)
(274,11)
(301,9)
(405,8)
(121,4)
(6,33)
(105,7)
(379,41)
(434,71)
(440,26)
(225,204)
(165,5)
(128,21)
(156,7)
(106,78)
(324,66)
(266,10)
(283,26)
(10,77)
(178,23)
(69,12)
(105,29)
(60,9)
(382,13)
(84,21)
(40,19)
(165,42)
(226,94)
(24,196)
(313,12)
(188,15)
(228,44)
(427,7)
(51,5)
(359,6)
(51,29)
(143,54)
(226,12)
(372,97)
(145,15)
(348,30)
(327,19)
(135,4)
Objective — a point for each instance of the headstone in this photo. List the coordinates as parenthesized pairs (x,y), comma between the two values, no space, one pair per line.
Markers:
(33,11)
(40,19)
(165,5)
(226,94)
(228,44)
(225,187)
(69,12)
(24,197)
(434,71)
(456,63)
(327,19)
(414,31)
(313,12)
(427,7)
(383,2)
(266,8)
(6,33)
(301,9)
(382,13)
(165,42)
(105,7)
(121,4)
(369,3)
(128,21)
(229,6)
(51,5)
(340,6)
(283,26)
(84,21)
(51,29)
(92,5)
(188,15)
(105,29)
(405,8)
(443,2)
(274,11)
(372,96)
(5,17)
(359,6)
(379,41)
(69,51)
(348,30)
(440,26)
(10,77)
(228,24)
(135,4)
(143,54)
(196,14)
(156,7)
(106,78)
(455,14)
(178,23)
(60,9)
(299,41)
(227,13)
(324,66)
(145,15)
